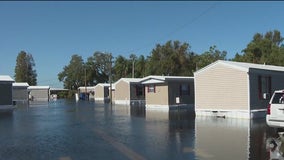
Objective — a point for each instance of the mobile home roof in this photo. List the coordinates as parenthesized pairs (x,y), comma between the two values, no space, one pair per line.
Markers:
(20,84)
(243,66)
(38,87)
(6,78)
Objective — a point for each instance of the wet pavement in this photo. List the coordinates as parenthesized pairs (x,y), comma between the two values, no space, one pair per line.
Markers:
(66,130)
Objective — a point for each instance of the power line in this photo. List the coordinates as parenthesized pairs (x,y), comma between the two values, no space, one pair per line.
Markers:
(193,20)
(179,28)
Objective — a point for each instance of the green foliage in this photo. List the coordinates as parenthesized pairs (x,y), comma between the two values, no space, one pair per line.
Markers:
(209,57)
(173,59)
(24,70)
(73,75)
(95,70)
(262,49)
(121,68)
(99,68)
(124,67)
(71,94)
(62,94)
(140,67)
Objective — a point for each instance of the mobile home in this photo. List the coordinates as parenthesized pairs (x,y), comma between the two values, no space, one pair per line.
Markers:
(102,92)
(88,91)
(20,92)
(235,89)
(128,91)
(6,93)
(167,92)
(39,93)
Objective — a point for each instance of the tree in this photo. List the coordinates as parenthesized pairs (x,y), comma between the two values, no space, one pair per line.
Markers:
(140,67)
(209,57)
(101,65)
(24,70)
(262,49)
(91,76)
(121,68)
(73,75)
(173,59)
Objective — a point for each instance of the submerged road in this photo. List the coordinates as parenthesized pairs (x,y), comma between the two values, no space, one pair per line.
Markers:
(66,130)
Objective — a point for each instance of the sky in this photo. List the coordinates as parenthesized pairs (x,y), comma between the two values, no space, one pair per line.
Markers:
(54,31)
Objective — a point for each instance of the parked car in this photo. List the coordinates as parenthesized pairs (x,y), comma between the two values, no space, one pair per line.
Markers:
(275,110)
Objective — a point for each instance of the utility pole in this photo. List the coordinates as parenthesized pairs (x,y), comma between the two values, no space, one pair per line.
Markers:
(133,64)
(133,68)
(110,86)
(85,83)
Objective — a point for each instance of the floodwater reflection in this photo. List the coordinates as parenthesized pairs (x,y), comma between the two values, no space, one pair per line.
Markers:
(87,130)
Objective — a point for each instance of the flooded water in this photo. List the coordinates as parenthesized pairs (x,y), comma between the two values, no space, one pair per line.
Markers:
(66,130)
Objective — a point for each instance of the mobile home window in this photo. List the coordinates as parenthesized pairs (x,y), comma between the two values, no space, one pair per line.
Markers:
(184,89)
(139,90)
(151,88)
(264,86)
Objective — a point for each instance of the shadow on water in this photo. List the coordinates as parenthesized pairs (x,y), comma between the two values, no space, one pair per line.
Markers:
(5,115)
(160,134)
(181,119)
(177,119)
(258,133)
(137,110)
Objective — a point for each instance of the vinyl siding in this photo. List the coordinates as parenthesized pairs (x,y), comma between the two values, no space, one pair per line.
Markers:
(160,97)
(174,91)
(277,83)
(40,94)
(5,93)
(122,91)
(101,92)
(222,88)
(20,94)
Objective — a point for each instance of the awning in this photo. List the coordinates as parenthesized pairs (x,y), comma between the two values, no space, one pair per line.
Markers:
(153,81)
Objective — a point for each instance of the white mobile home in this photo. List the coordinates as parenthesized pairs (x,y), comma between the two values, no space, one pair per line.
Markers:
(235,89)
(20,92)
(39,93)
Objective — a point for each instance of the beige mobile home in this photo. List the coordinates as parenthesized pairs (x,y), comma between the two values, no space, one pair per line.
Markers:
(39,93)
(128,90)
(6,96)
(102,92)
(166,92)
(20,92)
(235,89)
